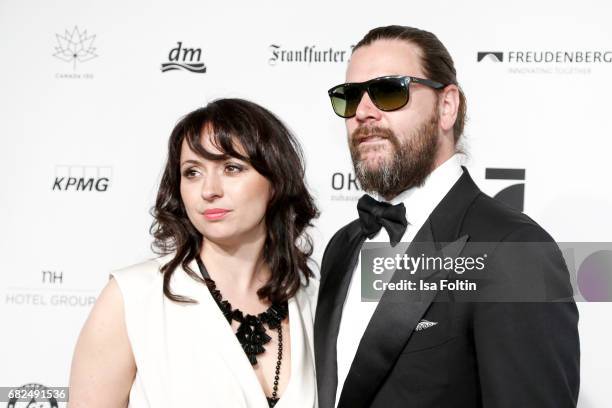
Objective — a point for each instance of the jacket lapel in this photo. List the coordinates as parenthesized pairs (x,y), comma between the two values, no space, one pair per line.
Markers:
(398,312)
(338,264)
(390,327)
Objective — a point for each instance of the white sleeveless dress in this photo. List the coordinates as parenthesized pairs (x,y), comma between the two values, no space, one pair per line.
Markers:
(187,354)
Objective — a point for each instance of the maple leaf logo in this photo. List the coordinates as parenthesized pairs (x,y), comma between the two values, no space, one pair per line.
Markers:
(75,46)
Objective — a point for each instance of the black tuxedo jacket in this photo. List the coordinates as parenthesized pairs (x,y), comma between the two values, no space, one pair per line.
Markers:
(480,354)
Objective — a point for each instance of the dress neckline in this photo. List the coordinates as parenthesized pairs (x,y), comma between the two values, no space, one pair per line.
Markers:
(242,363)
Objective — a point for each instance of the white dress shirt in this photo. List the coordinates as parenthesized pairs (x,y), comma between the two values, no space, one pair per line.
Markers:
(420,203)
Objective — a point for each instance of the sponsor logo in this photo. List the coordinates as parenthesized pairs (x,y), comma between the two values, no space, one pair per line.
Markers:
(75,47)
(345,187)
(575,61)
(49,292)
(309,54)
(494,56)
(82,178)
(514,195)
(594,280)
(560,57)
(185,59)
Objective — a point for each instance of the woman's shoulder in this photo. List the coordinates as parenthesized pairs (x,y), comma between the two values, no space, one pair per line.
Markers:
(142,274)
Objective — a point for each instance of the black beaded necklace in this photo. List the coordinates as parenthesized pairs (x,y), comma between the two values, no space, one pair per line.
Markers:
(251,332)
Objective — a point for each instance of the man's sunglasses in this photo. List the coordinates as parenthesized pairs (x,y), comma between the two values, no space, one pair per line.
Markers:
(388,93)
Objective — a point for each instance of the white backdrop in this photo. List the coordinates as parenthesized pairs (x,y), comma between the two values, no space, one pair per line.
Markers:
(106,115)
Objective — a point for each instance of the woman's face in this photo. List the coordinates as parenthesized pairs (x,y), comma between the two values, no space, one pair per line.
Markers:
(225,200)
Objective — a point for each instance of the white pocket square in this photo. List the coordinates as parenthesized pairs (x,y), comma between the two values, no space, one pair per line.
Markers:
(424,324)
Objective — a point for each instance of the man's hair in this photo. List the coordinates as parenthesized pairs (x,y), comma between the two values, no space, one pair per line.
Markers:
(436,62)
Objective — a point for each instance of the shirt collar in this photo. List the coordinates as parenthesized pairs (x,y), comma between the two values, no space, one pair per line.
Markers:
(422,200)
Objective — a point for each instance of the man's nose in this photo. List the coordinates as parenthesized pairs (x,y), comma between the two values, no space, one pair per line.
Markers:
(366,110)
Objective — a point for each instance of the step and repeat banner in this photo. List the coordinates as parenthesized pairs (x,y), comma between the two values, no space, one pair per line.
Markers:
(90,91)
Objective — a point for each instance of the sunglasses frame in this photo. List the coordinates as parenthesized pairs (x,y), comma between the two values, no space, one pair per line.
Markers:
(365,87)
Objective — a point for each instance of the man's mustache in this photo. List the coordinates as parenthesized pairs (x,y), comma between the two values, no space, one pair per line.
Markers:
(363,132)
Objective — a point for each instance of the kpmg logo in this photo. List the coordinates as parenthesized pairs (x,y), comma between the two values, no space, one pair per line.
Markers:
(82,178)
(493,56)
(75,46)
(308,54)
(184,58)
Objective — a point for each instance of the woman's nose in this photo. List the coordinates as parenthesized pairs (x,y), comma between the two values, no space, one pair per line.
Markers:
(212,187)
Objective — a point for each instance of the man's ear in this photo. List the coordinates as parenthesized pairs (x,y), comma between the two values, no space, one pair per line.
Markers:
(448,106)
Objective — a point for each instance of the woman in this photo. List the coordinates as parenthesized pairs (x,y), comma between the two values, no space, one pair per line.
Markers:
(224,318)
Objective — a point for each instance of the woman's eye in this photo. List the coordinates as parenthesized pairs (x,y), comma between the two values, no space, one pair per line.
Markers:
(189,173)
(233,168)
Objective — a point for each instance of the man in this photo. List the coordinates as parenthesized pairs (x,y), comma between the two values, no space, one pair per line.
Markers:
(404,114)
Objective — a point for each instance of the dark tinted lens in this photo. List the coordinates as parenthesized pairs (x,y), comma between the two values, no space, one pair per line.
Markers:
(389,93)
(345,99)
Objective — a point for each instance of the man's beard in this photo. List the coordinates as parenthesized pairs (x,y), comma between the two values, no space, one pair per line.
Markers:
(410,163)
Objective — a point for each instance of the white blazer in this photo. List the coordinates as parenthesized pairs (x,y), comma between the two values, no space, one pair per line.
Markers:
(187,354)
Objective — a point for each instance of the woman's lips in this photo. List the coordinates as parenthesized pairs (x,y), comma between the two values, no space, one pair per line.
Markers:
(216,213)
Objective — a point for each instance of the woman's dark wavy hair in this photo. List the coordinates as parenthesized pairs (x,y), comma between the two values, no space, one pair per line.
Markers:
(275,153)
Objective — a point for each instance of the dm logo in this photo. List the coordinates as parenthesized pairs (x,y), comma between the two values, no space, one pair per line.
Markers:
(188,59)
(514,196)
(75,46)
(494,56)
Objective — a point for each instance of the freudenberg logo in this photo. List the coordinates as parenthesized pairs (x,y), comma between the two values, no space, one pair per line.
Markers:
(184,58)
(494,56)
(548,61)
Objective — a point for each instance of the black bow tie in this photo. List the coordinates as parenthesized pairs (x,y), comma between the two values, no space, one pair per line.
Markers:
(374,215)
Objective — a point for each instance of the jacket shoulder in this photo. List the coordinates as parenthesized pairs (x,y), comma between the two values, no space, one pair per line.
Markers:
(490,220)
